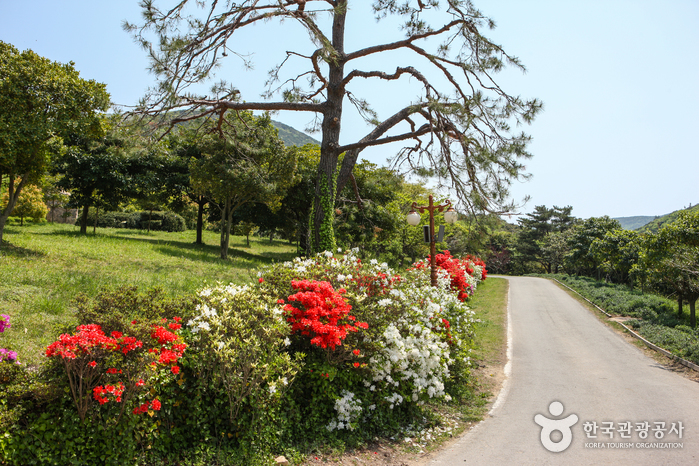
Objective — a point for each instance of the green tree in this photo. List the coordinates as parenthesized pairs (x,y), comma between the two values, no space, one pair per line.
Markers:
(291,220)
(617,252)
(554,249)
(96,172)
(535,227)
(41,101)
(459,123)
(30,204)
(245,163)
(581,259)
(671,258)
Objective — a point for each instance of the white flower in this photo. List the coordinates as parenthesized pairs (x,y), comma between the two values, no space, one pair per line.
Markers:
(272,388)
(287,342)
(373,262)
(328,254)
(285,381)
(341,278)
(204,326)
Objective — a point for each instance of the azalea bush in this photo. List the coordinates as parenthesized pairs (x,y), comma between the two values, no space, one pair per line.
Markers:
(239,336)
(409,341)
(114,368)
(6,355)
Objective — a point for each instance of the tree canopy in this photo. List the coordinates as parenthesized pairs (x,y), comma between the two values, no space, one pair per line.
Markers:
(41,101)
(244,163)
(458,126)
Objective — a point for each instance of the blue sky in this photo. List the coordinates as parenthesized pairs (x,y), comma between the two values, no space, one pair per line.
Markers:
(619,80)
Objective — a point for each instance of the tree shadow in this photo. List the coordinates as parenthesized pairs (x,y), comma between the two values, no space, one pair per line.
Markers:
(8,249)
(209,253)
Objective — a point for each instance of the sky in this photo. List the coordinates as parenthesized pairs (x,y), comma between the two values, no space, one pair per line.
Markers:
(619,80)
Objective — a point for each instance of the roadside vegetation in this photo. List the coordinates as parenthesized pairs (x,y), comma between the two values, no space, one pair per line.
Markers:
(655,318)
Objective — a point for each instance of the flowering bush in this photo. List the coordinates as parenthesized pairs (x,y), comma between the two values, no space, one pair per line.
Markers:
(239,336)
(414,333)
(4,322)
(6,354)
(320,313)
(81,351)
(464,273)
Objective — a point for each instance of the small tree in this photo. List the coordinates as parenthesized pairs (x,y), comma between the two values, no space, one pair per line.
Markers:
(30,204)
(96,172)
(243,163)
(671,258)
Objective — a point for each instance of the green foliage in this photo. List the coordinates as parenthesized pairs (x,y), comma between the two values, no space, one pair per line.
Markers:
(581,259)
(655,224)
(533,242)
(292,137)
(29,204)
(617,252)
(244,164)
(40,102)
(158,221)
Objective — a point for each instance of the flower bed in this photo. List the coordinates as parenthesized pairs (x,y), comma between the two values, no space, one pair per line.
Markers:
(323,349)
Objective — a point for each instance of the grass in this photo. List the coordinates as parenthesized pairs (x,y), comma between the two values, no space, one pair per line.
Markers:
(44,267)
(490,305)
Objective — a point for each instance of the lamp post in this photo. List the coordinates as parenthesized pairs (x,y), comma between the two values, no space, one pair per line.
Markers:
(413,218)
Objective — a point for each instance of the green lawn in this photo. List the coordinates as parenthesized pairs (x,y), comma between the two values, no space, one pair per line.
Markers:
(44,267)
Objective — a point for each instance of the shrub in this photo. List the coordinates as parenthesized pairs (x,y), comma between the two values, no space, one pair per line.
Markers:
(415,335)
(159,221)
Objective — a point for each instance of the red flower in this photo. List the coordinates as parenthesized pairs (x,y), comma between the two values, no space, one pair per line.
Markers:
(92,363)
(356,364)
(155,404)
(261,280)
(321,313)
(356,352)
(175,369)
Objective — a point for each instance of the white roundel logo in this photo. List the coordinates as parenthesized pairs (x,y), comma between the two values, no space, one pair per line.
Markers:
(548,426)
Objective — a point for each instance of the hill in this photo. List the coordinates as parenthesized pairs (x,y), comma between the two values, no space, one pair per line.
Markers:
(293,137)
(654,225)
(634,223)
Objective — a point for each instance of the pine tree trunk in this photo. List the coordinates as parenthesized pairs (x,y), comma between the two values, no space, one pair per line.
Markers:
(322,236)
(679,306)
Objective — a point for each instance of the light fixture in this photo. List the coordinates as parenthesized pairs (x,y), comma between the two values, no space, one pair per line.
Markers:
(450,216)
(413,218)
